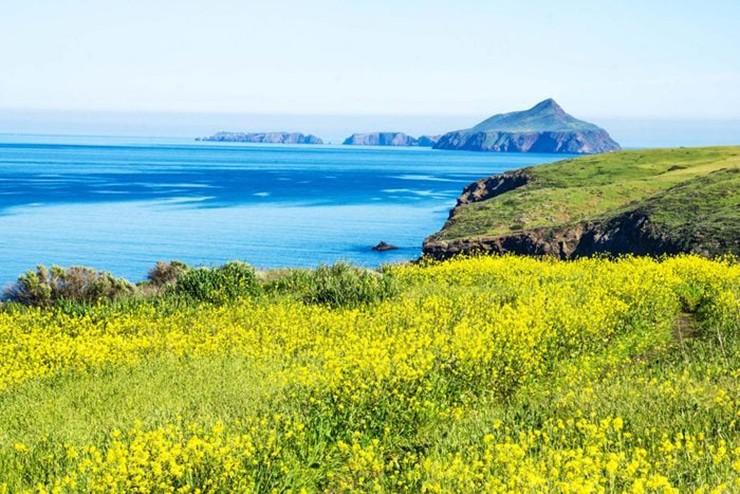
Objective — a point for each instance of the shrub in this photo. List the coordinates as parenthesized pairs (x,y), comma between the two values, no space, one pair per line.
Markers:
(338,285)
(233,280)
(167,273)
(77,284)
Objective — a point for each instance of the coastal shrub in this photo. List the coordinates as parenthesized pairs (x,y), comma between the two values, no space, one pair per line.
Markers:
(77,284)
(165,274)
(233,280)
(337,285)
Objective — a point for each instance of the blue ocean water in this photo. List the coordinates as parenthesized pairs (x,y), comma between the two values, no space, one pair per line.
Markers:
(121,204)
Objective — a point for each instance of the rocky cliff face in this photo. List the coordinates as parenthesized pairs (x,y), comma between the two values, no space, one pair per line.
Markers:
(490,187)
(629,233)
(264,137)
(570,142)
(544,128)
(380,139)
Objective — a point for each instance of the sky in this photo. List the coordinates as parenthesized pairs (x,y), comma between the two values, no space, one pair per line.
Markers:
(648,60)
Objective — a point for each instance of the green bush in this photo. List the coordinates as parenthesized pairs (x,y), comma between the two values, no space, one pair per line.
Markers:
(77,284)
(233,280)
(338,285)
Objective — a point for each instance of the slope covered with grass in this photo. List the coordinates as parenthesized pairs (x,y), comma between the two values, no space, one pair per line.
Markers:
(481,375)
(690,197)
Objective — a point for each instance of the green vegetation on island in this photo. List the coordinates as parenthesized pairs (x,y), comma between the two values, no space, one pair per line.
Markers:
(641,202)
(544,128)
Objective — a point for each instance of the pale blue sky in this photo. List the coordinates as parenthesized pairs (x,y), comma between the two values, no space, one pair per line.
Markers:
(651,58)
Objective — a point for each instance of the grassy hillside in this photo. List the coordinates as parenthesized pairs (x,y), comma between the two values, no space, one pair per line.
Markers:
(498,374)
(689,190)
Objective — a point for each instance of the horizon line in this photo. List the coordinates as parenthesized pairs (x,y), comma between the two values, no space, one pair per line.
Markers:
(687,118)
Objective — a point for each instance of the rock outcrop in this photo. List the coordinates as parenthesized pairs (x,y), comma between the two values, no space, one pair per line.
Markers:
(487,188)
(383,247)
(263,137)
(544,128)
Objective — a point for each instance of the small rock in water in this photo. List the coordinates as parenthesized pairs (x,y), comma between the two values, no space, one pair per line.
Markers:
(383,246)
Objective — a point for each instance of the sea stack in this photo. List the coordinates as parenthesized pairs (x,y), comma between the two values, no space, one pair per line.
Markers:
(544,128)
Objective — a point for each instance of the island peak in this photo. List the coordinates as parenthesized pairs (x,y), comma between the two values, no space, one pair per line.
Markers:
(543,128)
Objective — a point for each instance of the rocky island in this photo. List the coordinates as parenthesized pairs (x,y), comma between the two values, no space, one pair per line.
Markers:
(426,141)
(263,137)
(389,139)
(544,128)
(645,202)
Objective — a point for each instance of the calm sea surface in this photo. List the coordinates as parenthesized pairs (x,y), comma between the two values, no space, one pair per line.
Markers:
(121,204)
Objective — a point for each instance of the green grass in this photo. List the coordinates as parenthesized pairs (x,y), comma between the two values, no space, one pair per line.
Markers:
(83,408)
(678,186)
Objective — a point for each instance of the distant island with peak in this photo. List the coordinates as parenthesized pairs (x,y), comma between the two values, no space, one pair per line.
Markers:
(263,137)
(389,139)
(544,128)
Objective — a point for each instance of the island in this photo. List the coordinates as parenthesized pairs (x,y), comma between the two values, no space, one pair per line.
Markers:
(380,139)
(263,137)
(642,202)
(544,128)
(426,141)
(390,139)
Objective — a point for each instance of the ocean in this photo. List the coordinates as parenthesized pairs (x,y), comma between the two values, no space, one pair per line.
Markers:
(121,204)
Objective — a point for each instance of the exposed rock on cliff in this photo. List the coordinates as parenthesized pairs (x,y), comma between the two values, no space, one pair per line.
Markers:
(544,128)
(628,233)
(263,137)
(486,188)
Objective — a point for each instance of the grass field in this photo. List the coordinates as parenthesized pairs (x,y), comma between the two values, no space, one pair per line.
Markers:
(686,188)
(498,374)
